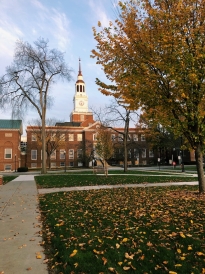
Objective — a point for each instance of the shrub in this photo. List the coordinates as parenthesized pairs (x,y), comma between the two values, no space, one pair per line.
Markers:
(22,169)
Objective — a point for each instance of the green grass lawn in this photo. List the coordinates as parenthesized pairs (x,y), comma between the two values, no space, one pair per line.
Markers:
(8,178)
(69,180)
(125,230)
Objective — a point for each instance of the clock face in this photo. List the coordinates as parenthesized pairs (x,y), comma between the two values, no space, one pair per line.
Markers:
(81,103)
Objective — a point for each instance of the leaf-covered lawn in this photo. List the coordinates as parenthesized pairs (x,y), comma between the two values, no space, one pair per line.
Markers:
(69,180)
(157,230)
(7,179)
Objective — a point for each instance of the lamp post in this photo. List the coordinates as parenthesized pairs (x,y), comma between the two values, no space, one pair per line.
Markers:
(65,159)
(15,162)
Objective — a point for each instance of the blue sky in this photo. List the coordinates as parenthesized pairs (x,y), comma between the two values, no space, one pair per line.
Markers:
(67,24)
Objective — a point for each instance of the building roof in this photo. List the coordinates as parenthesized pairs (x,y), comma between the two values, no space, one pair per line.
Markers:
(11,124)
(69,124)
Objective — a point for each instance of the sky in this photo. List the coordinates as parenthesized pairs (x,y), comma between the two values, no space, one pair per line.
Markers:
(67,24)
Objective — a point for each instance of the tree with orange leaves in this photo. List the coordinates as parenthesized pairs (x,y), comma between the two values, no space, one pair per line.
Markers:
(153,55)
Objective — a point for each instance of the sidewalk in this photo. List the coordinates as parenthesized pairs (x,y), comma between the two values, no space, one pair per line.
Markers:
(20,227)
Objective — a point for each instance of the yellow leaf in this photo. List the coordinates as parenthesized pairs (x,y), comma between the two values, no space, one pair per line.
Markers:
(127,256)
(100,241)
(200,253)
(172,272)
(74,253)
(191,221)
(98,252)
(189,247)
(117,246)
(178,265)
(124,240)
(104,260)
(126,267)
(38,256)
(165,262)
(182,258)
(111,269)
(179,250)
(120,263)
(76,265)
(182,235)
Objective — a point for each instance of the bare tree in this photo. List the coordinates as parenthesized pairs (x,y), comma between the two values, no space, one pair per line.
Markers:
(55,138)
(104,146)
(28,81)
(117,114)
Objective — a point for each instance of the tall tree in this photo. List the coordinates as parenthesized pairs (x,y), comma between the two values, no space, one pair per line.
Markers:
(29,79)
(104,146)
(116,115)
(155,52)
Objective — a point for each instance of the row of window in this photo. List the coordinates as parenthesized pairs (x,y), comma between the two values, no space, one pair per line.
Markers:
(137,153)
(62,137)
(59,137)
(62,154)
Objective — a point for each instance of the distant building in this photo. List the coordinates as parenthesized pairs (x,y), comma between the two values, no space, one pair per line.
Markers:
(72,144)
(10,141)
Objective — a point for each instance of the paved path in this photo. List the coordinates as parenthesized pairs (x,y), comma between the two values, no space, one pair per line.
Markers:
(20,223)
(19,228)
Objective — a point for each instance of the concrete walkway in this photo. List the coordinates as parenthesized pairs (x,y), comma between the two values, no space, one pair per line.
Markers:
(20,224)
(19,228)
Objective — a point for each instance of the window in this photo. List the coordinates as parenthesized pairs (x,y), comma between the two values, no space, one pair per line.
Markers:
(8,134)
(79,153)
(129,153)
(129,137)
(144,153)
(53,155)
(7,167)
(71,164)
(53,136)
(33,154)
(120,137)
(33,165)
(151,153)
(71,153)
(95,137)
(33,137)
(62,154)
(80,164)
(113,137)
(62,163)
(62,137)
(79,137)
(53,164)
(136,153)
(70,137)
(135,137)
(142,137)
(8,153)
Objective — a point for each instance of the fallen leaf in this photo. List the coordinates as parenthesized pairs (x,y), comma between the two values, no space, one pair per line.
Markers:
(104,260)
(126,267)
(73,253)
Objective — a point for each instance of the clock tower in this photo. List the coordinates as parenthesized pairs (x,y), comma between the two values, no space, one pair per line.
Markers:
(80,101)
(80,98)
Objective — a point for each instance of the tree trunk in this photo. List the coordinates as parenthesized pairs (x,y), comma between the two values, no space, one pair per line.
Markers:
(43,170)
(200,170)
(126,131)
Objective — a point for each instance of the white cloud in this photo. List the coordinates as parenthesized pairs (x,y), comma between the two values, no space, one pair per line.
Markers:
(99,12)
(61,31)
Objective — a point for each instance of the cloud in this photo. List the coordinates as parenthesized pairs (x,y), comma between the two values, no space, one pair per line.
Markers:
(99,12)
(61,32)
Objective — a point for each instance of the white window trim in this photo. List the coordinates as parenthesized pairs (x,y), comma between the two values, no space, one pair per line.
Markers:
(33,155)
(7,153)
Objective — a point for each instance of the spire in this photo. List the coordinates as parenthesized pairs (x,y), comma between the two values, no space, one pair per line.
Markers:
(79,72)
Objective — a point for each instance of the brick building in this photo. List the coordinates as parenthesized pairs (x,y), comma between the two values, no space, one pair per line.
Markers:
(10,140)
(73,143)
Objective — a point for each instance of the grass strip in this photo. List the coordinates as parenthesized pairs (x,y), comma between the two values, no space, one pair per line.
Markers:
(70,180)
(157,230)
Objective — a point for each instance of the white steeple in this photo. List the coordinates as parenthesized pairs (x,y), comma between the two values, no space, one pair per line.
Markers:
(80,99)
